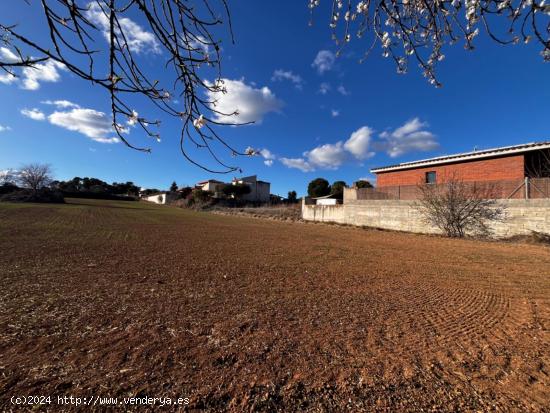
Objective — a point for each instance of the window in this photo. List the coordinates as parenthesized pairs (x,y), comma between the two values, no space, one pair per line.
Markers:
(430,177)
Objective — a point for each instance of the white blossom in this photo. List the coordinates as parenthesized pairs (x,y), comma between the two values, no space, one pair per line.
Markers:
(133,119)
(386,41)
(199,122)
(249,151)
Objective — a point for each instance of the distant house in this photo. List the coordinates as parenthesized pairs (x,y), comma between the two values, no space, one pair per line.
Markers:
(259,190)
(531,160)
(211,185)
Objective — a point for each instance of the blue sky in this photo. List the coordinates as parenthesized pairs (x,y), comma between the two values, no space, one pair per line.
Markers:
(334,119)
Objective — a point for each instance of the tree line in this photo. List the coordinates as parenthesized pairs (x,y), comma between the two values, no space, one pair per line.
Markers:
(321,187)
(34,183)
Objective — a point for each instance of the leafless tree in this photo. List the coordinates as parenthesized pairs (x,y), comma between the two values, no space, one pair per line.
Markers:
(182,33)
(460,208)
(35,176)
(419,29)
(537,164)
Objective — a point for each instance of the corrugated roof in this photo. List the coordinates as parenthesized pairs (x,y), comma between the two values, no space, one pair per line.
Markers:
(329,196)
(466,156)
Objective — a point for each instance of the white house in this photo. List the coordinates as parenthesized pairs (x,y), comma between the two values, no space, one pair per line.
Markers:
(211,185)
(259,190)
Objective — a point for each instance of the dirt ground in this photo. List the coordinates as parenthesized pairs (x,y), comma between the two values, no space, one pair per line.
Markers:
(237,314)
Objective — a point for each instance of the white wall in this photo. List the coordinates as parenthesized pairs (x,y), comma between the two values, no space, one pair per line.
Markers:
(327,201)
(521,216)
(157,199)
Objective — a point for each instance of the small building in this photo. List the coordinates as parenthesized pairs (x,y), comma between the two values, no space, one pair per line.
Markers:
(211,185)
(259,190)
(159,198)
(327,200)
(531,160)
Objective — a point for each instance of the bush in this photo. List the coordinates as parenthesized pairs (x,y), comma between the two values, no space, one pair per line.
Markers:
(318,187)
(43,195)
(337,189)
(235,191)
(201,197)
(363,184)
(97,195)
(458,208)
(7,188)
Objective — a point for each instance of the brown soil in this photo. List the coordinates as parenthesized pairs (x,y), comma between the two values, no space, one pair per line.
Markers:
(116,299)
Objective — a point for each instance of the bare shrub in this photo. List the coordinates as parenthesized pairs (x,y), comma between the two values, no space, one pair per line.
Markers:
(459,208)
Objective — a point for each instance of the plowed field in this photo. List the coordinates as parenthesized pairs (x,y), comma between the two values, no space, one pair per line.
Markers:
(237,314)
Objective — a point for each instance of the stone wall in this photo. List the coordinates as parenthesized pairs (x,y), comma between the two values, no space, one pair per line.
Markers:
(521,216)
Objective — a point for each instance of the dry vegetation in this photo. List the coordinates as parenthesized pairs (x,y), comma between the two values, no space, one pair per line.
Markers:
(278,212)
(240,314)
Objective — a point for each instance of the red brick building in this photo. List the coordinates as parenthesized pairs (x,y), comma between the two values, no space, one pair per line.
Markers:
(499,164)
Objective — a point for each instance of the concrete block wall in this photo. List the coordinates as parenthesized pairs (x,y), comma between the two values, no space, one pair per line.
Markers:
(521,216)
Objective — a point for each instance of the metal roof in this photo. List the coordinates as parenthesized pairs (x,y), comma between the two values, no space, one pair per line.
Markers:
(329,196)
(466,156)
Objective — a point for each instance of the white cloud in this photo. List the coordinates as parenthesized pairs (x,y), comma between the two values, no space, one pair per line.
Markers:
(89,122)
(409,137)
(202,44)
(251,103)
(324,61)
(324,88)
(268,156)
(60,104)
(297,163)
(369,179)
(4,128)
(35,114)
(9,176)
(342,90)
(281,74)
(334,113)
(6,55)
(359,142)
(41,72)
(7,78)
(333,155)
(30,77)
(327,156)
(138,39)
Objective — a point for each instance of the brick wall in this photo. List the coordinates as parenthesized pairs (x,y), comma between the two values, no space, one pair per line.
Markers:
(504,168)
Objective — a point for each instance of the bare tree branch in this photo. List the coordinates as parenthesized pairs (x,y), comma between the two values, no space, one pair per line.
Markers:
(181,35)
(419,29)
